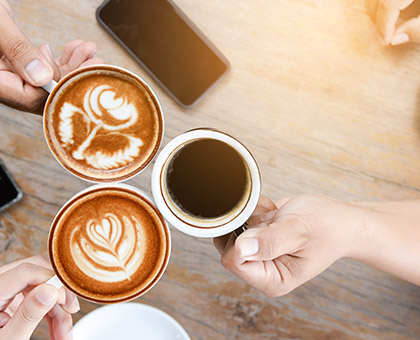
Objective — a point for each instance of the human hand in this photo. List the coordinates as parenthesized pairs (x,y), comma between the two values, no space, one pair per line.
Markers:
(24,68)
(385,13)
(290,242)
(25,300)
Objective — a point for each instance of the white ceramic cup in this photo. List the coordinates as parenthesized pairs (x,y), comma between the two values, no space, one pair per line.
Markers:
(58,282)
(52,87)
(204,227)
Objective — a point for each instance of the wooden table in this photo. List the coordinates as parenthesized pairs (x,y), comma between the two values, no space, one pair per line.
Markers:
(324,108)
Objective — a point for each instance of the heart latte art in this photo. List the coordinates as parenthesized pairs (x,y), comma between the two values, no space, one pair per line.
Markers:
(103,123)
(110,250)
(109,244)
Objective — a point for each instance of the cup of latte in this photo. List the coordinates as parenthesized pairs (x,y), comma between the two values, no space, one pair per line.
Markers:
(206,183)
(102,123)
(109,244)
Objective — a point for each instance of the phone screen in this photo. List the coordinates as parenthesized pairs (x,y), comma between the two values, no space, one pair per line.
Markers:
(9,191)
(167,43)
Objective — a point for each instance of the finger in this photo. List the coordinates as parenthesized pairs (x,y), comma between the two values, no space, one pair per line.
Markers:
(4,319)
(20,95)
(264,204)
(14,304)
(259,274)
(49,55)
(266,217)
(408,31)
(5,65)
(286,235)
(17,279)
(93,61)
(37,260)
(274,278)
(30,312)
(68,51)
(61,323)
(230,258)
(27,60)
(387,15)
(71,304)
(8,8)
(50,328)
(81,54)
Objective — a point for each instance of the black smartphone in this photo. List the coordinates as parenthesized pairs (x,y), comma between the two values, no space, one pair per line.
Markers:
(167,44)
(9,191)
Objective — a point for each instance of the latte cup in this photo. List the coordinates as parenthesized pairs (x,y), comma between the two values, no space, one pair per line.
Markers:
(102,123)
(196,222)
(108,244)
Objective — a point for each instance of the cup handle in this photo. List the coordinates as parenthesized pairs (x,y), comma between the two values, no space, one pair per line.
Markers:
(241,229)
(49,87)
(54,281)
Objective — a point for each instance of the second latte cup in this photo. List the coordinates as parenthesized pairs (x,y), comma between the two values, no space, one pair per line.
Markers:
(108,244)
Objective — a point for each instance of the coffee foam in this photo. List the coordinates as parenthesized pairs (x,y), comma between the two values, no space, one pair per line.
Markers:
(102,124)
(109,245)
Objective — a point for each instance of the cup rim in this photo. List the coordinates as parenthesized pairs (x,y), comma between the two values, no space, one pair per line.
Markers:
(188,227)
(92,179)
(150,202)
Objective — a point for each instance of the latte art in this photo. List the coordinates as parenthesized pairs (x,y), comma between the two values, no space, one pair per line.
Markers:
(103,123)
(109,250)
(109,244)
(102,109)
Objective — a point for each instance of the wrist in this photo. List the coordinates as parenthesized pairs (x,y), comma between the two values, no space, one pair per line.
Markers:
(387,237)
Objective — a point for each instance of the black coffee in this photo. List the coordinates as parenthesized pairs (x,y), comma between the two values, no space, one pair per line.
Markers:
(207,178)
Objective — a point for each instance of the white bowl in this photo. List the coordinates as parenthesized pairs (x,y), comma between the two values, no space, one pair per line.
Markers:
(128,321)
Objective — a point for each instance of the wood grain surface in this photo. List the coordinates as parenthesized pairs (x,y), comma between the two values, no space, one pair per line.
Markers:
(325,109)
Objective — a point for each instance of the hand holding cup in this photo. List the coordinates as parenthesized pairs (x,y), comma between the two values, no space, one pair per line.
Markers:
(24,68)
(25,300)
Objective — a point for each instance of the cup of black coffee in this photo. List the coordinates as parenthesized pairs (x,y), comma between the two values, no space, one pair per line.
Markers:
(206,183)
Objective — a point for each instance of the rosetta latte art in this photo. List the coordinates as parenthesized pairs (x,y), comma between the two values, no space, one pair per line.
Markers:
(108,113)
(109,250)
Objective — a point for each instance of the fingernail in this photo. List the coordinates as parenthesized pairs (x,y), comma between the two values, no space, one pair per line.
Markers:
(47,295)
(92,54)
(50,52)
(248,246)
(70,335)
(38,72)
(76,302)
(399,39)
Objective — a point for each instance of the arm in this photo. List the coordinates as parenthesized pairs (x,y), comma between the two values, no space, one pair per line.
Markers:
(306,234)
(390,238)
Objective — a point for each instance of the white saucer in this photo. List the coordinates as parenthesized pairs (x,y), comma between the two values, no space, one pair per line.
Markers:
(128,321)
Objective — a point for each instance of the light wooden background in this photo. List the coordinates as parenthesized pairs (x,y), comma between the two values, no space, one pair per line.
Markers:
(324,108)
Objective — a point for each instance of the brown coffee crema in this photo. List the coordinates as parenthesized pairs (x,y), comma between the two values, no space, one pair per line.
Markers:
(109,245)
(103,124)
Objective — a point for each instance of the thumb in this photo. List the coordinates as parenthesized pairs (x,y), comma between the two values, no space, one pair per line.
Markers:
(408,31)
(26,60)
(285,236)
(30,312)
